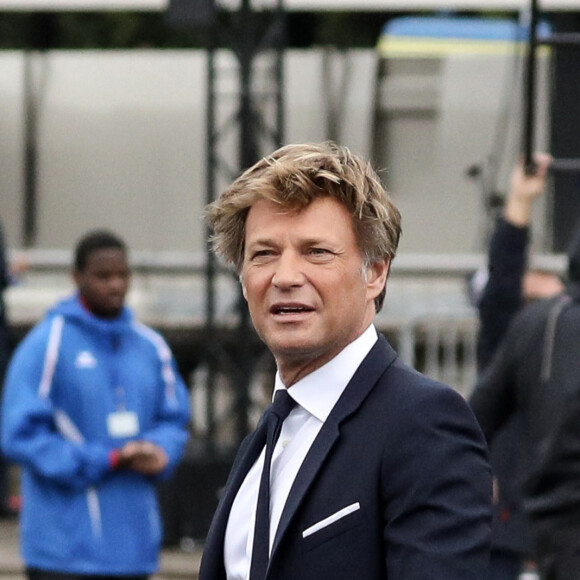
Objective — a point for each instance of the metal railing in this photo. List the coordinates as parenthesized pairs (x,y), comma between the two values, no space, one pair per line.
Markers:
(441,347)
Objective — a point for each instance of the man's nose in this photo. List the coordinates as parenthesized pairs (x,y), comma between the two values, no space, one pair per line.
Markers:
(118,284)
(289,270)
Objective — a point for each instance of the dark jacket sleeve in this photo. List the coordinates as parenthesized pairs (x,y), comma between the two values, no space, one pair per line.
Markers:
(502,295)
(494,397)
(438,494)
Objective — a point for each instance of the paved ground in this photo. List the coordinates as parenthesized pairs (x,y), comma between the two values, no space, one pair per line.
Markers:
(175,563)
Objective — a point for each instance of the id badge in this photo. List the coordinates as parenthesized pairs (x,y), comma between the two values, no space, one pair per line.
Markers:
(123,424)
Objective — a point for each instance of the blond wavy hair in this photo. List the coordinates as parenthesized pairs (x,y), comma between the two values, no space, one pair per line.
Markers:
(294,176)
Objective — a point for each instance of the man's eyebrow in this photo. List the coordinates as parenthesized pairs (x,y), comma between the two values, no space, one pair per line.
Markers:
(317,240)
(260,241)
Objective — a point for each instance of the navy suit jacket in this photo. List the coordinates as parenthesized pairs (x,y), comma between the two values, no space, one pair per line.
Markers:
(405,455)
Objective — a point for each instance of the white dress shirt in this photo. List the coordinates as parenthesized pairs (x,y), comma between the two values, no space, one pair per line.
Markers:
(315,395)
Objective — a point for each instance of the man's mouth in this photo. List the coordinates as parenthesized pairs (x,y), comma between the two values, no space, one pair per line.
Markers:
(290,309)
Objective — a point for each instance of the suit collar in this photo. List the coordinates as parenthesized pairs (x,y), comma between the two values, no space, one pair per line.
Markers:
(212,566)
(319,391)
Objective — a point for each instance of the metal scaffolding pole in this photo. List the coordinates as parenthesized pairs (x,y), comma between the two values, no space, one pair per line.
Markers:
(557,41)
(255,125)
(530,90)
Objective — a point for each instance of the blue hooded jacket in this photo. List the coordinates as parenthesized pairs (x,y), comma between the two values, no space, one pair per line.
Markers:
(67,378)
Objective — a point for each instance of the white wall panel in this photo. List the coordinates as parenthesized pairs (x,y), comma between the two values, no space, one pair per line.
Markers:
(121,139)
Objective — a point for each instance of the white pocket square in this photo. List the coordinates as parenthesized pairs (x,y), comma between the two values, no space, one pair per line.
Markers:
(331,519)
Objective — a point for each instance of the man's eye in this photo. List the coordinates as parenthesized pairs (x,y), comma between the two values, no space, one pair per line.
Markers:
(261,254)
(320,253)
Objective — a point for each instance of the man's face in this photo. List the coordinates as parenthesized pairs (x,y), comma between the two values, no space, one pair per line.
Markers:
(104,281)
(304,282)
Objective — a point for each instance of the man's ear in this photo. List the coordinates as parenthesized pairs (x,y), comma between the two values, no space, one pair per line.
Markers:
(245,294)
(377,273)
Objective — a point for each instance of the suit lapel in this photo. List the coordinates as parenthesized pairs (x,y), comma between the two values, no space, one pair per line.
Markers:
(365,378)
(213,566)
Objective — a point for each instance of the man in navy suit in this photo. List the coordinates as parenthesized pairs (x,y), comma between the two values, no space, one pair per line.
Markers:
(378,472)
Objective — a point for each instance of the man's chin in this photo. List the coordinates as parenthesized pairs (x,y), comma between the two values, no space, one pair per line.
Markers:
(295,352)
(109,313)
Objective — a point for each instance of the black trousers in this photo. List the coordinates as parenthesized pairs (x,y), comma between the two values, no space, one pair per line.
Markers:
(36,574)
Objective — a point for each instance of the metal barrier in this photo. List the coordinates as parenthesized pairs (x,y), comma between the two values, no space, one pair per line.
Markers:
(441,347)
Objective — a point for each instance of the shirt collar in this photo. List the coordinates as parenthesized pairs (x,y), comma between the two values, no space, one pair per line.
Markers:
(319,391)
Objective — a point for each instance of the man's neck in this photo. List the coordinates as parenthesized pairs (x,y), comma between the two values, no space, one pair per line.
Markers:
(90,310)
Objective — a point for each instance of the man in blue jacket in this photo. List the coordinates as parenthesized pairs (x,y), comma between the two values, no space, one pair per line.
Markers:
(95,413)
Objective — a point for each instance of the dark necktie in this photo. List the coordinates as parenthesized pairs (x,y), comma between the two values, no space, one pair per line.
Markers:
(276,414)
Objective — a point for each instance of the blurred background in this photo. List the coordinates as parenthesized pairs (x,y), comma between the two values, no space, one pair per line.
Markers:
(133,114)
